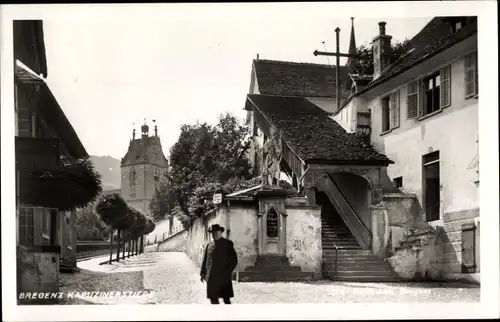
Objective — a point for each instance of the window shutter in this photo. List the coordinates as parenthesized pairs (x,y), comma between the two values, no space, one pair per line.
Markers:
(412,100)
(391,111)
(476,65)
(445,87)
(470,77)
(396,111)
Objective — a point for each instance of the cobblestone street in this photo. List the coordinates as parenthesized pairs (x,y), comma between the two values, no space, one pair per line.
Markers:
(175,280)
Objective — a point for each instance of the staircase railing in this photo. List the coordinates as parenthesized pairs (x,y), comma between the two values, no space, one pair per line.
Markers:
(346,211)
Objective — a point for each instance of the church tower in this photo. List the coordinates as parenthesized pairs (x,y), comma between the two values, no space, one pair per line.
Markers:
(142,168)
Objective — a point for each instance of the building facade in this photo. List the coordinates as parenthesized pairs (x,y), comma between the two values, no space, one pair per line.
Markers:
(45,142)
(387,183)
(143,168)
(423,114)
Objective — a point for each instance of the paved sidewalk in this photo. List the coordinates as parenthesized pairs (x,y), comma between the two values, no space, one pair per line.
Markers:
(175,280)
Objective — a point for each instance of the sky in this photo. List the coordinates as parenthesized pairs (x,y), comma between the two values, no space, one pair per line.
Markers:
(108,74)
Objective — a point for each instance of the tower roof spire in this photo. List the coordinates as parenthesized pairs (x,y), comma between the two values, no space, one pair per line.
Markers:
(352,46)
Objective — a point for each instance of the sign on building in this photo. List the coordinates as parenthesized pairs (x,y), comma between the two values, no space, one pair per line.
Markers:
(217,198)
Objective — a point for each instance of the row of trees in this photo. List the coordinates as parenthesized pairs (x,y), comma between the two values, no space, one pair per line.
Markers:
(89,226)
(129,223)
(204,160)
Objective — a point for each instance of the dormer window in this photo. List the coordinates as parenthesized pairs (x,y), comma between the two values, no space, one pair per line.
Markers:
(457,23)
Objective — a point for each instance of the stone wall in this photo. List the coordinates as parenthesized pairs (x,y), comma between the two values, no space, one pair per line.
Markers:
(418,249)
(380,231)
(38,269)
(175,243)
(303,247)
(303,234)
(452,238)
(422,259)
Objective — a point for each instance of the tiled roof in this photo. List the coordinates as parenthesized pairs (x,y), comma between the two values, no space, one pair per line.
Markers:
(141,151)
(297,79)
(435,37)
(311,134)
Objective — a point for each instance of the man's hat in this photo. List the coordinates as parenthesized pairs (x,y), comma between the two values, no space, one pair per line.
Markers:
(216,227)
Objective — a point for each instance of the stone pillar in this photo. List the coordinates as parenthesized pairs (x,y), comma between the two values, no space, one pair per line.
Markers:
(282,233)
(260,232)
(380,230)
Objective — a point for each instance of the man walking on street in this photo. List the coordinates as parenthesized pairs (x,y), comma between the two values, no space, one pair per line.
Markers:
(219,261)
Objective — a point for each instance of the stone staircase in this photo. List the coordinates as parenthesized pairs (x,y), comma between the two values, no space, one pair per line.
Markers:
(348,262)
(271,268)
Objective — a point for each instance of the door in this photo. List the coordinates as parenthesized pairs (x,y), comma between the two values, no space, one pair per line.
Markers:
(468,249)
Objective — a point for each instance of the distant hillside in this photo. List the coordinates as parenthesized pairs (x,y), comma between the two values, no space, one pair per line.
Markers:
(109,169)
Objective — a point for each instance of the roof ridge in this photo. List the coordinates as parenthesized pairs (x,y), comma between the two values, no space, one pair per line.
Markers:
(283,62)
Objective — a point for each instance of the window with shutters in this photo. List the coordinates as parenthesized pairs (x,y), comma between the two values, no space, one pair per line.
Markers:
(390,112)
(471,78)
(429,95)
(395,117)
(432,94)
(386,114)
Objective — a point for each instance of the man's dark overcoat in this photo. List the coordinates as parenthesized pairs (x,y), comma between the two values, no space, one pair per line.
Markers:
(219,261)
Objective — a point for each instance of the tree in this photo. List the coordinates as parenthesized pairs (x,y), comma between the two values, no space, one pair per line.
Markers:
(164,199)
(113,210)
(365,65)
(206,154)
(89,226)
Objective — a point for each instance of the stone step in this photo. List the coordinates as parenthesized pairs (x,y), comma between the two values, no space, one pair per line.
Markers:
(371,267)
(337,236)
(327,239)
(341,246)
(259,276)
(274,268)
(367,279)
(353,263)
(354,260)
(337,239)
(339,243)
(335,229)
(348,259)
(330,230)
(334,272)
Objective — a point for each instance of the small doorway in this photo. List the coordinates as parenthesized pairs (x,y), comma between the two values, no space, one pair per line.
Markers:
(431,186)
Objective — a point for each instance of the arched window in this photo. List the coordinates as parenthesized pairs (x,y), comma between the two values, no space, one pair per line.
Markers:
(132,181)
(272,223)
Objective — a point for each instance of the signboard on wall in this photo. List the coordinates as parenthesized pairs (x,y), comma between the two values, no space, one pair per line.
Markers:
(217,199)
(272,224)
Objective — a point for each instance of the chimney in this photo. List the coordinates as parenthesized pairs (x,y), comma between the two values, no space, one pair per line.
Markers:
(381,51)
